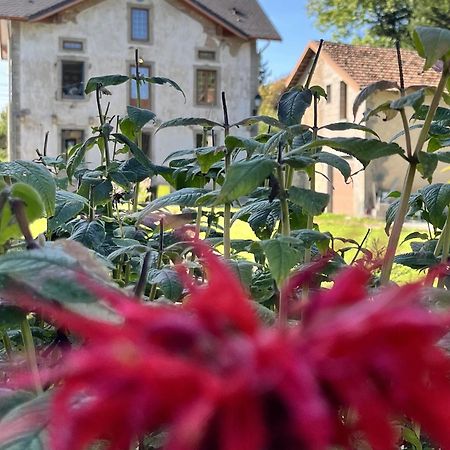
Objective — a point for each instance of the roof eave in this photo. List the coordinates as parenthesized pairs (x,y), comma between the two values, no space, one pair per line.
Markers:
(52,11)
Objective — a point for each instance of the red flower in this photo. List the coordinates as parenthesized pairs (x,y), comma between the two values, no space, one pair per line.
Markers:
(216,378)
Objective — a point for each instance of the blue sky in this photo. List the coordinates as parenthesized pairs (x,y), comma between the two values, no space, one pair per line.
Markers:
(291,21)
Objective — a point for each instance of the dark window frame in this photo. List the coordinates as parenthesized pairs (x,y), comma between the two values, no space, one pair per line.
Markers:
(343,100)
(145,102)
(64,147)
(205,93)
(328,91)
(78,90)
(64,42)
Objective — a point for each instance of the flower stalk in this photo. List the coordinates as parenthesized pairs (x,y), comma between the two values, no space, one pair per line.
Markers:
(227,206)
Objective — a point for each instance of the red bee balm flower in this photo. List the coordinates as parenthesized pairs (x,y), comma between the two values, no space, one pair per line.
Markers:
(216,378)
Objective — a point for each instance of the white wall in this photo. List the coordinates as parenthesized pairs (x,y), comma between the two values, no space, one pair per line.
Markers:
(176,34)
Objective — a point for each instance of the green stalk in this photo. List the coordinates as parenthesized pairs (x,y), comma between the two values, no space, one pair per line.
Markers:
(227,206)
(139,134)
(444,241)
(284,206)
(152,294)
(30,351)
(7,344)
(399,221)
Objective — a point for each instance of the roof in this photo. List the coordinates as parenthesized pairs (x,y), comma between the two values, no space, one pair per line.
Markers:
(363,65)
(244,19)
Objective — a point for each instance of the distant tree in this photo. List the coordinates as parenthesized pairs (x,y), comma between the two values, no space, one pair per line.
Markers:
(3,135)
(378,22)
(270,93)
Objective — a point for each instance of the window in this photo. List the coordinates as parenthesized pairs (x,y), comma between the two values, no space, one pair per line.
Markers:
(72,79)
(199,139)
(69,138)
(144,71)
(328,89)
(139,24)
(147,144)
(209,55)
(72,45)
(206,87)
(343,101)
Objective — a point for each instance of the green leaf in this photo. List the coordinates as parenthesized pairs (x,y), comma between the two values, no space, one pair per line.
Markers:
(418,260)
(107,80)
(335,161)
(187,121)
(137,153)
(243,271)
(90,234)
(391,212)
(312,202)
(25,426)
(139,116)
(344,126)
(436,198)
(243,177)
(134,171)
(443,156)
(365,93)
(298,162)
(282,256)
(131,250)
(415,235)
(181,197)
(168,281)
(77,155)
(10,399)
(442,115)
(310,237)
(292,106)
(68,205)
(101,189)
(365,150)
(10,317)
(428,164)
(414,100)
(37,177)
(271,121)
(432,43)
(208,156)
(247,144)
(162,81)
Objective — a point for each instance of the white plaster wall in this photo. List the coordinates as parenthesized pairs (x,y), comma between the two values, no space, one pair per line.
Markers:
(176,34)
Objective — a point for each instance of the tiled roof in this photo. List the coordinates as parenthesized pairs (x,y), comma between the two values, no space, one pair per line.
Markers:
(245,18)
(365,65)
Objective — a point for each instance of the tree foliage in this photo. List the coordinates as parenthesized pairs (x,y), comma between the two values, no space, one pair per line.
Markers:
(378,22)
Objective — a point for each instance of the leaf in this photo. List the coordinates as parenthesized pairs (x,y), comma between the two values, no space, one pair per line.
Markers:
(312,202)
(432,44)
(344,126)
(139,116)
(247,144)
(428,164)
(419,260)
(271,121)
(309,237)
(391,212)
(131,250)
(292,106)
(415,100)
(77,155)
(436,198)
(36,176)
(186,121)
(134,171)
(168,281)
(68,205)
(101,189)
(443,156)
(181,197)
(385,108)
(365,150)
(24,427)
(208,156)
(243,271)
(107,80)
(243,177)
(335,161)
(299,161)
(442,115)
(10,399)
(137,153)
(162,81)
(90,234)
(282,256)
(415,235)
(10,317)
(365,93)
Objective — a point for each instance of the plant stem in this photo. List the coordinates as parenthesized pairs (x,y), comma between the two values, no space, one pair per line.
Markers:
(7,344)
(30,351)
(142,282)
(152,294)
(227,206)
(445,243)
(394,238)
(314,65)
(284,205)
(18,209)
(102,123)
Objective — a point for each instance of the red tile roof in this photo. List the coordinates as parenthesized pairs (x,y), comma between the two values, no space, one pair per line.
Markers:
(364,65)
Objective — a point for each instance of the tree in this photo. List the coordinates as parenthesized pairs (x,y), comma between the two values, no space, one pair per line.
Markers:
(270,94)
(378,22)
(3,135)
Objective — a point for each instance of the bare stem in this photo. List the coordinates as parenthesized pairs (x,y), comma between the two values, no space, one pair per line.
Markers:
(139,134)
(314,65)
(7,344)
(30,351)
(445,243)
(142,282)
(227,206)
(160,257)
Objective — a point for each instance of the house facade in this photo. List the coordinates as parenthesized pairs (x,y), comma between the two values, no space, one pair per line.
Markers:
(343,70)
(55,46)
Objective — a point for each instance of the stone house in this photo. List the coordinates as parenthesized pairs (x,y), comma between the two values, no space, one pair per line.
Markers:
(343,70)
(55,46)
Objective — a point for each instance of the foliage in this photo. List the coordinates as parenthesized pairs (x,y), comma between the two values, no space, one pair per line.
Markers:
(145,362)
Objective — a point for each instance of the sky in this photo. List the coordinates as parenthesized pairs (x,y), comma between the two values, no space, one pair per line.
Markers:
(290,19)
